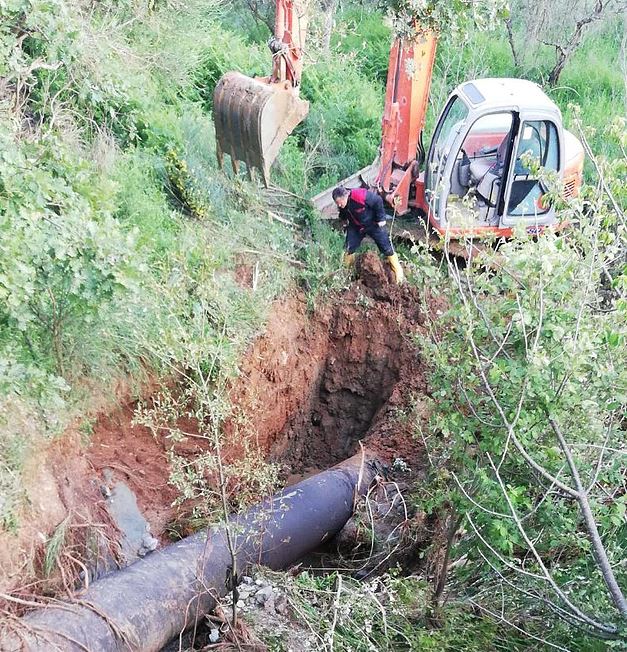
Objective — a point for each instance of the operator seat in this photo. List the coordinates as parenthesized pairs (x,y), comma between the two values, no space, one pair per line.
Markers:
(486,174)
(525,190)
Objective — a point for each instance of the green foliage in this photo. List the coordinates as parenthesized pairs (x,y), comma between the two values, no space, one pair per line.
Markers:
(539,339)
(65,256)
(367,37)
(343,129)
(455,17)
(323,273)
(141,205)
(225,51)
(54,546)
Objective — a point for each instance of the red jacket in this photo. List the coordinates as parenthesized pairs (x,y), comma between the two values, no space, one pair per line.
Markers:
(363,209)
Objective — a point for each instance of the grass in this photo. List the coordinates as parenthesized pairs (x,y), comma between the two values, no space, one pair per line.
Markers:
(385,613)
(140,152)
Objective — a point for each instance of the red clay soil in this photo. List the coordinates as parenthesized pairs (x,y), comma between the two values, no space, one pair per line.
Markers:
(63,496)
(313,386)
(310,389)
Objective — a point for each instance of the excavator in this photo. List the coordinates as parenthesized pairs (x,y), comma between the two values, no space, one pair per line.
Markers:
(481,174)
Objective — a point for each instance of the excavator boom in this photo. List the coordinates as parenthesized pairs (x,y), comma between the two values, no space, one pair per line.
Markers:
(406,99)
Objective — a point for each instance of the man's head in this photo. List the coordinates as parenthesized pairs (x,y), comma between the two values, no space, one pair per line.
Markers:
(340,196)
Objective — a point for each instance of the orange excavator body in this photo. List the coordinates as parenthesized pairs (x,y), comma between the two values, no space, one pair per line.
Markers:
(253,117)
(404,176)
(406,101)
(395,170)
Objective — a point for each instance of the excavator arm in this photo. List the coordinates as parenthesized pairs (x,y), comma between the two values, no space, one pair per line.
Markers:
(396,168)
(406,100)
(254,116)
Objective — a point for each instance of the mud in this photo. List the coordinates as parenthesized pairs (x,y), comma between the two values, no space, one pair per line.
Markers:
(310,390)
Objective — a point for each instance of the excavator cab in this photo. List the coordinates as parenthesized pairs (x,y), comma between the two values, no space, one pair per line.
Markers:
(254,116)
(478,177)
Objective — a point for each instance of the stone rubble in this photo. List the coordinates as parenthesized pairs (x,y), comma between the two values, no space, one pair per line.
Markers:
(258,593)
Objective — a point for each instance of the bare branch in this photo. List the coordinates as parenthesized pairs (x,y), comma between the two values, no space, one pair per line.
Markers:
(591,526)
(610,629)
(517,628)
(500,557)
(475,503)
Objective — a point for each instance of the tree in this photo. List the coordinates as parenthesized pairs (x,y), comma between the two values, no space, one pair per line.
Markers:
(561,25)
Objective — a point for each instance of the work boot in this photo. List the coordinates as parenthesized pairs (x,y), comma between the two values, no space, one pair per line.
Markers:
(395,264)
(349,259)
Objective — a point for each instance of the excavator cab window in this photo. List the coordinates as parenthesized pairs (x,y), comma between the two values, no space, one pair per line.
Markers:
(449,126)
(538,142)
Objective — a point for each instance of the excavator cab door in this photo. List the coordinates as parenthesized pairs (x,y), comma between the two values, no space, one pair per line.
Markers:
(476,171)
(437,186)
(538,144)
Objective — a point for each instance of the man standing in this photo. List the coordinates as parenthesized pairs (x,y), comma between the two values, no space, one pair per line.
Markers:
(363,214)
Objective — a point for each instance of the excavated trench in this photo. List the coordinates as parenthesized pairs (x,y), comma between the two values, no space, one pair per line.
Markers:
(316,385)
(356,379)
(312,388)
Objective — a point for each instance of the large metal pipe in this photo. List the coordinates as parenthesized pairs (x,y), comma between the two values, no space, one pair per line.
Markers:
(149,603)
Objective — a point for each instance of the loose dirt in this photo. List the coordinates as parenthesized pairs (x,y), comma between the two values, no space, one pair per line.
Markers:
(315,385)
(311,388)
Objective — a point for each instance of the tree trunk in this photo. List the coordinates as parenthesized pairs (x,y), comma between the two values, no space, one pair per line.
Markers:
(329,8)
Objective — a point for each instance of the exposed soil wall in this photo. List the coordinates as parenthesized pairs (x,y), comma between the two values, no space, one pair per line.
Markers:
(313,386)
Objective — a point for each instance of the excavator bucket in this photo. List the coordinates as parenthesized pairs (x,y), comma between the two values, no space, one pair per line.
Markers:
(253,117)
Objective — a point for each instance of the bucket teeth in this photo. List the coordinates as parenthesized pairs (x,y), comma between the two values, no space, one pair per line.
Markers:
(253,118)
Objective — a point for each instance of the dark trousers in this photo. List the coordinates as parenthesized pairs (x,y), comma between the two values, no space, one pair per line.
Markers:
(379,234)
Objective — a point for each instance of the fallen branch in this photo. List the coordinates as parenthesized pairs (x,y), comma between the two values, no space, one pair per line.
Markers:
(283,220)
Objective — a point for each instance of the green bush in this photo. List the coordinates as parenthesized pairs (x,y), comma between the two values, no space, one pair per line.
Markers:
(342,132)
(223,52)
(366,36)
(65,255)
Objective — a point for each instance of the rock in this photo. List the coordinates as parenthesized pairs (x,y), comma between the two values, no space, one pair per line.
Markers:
(247,580)
(240,604)
(263,595)
(268,605)
(280,604)
(260,582)
(214,635)
(148,544)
